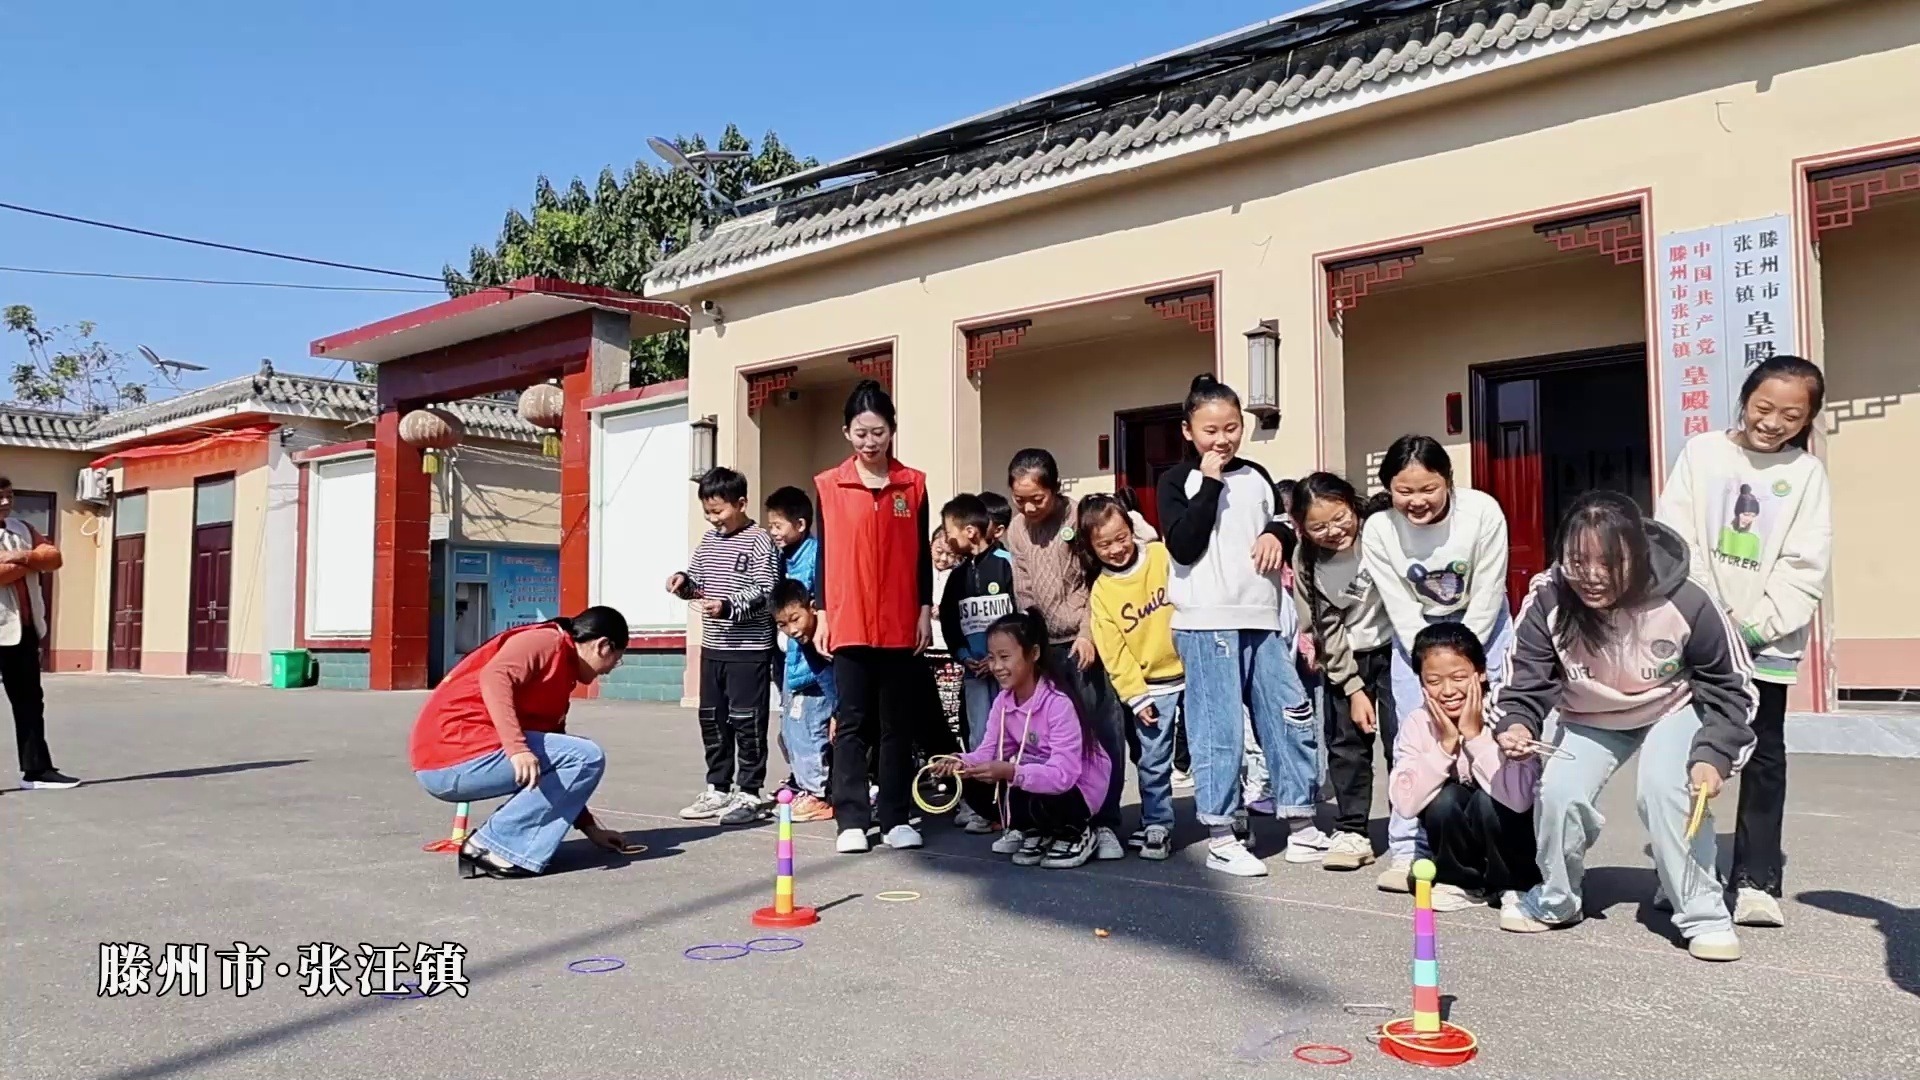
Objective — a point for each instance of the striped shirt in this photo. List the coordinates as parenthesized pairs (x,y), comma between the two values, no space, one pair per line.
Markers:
(741,569)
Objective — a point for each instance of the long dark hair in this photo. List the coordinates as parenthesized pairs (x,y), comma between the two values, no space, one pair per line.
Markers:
(1038,464)
(1204,390)
(1422,450)
(870,397)
(1028,629)
(1095,509)
(1317,486)
(594,624)
(1615,521)
(1788,366)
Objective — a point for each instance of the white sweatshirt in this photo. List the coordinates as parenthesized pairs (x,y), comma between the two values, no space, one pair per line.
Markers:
(1760,528)
(1211,527)
(1452,571)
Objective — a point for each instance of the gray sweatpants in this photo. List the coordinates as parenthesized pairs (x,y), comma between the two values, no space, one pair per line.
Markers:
(1566,821)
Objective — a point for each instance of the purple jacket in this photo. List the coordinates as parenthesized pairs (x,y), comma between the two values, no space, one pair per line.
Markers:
(1042,737)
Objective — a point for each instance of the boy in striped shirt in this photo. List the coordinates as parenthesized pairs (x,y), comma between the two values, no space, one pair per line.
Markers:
(730,584)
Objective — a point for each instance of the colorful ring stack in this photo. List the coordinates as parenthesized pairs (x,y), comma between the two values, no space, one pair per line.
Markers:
(1424,1038)
(459,837)
(783,914)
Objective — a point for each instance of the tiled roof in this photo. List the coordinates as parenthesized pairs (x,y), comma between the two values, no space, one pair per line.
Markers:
(43,426)
(1434,36)
(271,393)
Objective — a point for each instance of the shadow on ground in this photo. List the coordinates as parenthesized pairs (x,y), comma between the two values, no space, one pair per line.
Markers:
(1900,926)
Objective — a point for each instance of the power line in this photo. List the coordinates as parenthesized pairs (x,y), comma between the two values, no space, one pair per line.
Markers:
(215,281)
(216,244)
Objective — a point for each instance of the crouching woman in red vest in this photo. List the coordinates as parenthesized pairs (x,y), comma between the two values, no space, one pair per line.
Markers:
(496,726)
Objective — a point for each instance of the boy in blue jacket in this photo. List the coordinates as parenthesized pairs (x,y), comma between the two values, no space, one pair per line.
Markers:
(979,592)
(805,708)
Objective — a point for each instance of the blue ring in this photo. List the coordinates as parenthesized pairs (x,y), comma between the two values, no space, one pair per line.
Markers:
(796,943)
(412,992)
(688,952)
(574,965)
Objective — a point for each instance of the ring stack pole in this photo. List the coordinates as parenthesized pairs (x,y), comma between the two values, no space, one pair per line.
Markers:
(783,915)
(1424,1038)
(459,837)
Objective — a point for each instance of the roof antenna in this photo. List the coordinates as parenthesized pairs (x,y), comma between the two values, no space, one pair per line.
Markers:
(699,164)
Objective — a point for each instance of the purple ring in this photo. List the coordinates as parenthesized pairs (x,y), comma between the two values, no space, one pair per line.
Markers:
(795,943)
(689,952)
(409,992)
(575,965)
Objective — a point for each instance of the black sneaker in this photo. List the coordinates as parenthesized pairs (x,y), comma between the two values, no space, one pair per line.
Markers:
(1032,850)
(1137,839)
(746,810)
(47,780)
(1067,854)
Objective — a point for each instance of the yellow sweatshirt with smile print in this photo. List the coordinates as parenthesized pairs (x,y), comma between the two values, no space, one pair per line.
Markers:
(1133,626)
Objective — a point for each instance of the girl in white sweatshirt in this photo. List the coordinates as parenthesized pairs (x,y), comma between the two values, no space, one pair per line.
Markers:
(1753,506)
(1438,555)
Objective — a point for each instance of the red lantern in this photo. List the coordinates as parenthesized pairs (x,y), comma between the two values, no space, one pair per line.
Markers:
(544,406)
(433,432)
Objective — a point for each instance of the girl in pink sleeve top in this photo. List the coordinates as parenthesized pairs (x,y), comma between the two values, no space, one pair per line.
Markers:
(1036,744)
(1473,800)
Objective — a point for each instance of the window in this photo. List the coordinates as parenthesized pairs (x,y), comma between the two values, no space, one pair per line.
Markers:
(213,501)
(130,514)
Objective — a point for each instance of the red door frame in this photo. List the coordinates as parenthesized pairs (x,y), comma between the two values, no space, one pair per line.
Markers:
(1122,445)
(195,582)
(1482,379)
(137,634)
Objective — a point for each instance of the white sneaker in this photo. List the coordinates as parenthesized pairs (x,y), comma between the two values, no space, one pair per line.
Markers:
(711,804)
(1509,901)
(1308,845)
(851,841)
(1107,846)
(1348,851)
(1518,919)
(1157,844)
(1720,945)
(1752,907)
(1454,898)
(969,819)
(1230,856)
(1009,842)
(1396,877)
(902,837)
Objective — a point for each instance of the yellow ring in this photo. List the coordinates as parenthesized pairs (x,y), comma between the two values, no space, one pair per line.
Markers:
(922,803)
(897,896)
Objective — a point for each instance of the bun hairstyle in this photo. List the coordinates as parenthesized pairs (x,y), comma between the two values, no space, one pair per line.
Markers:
(595,624)
(1788,366)
(1422,450)
(870,397)
(1028,629)
(1036,464)
(1205,390)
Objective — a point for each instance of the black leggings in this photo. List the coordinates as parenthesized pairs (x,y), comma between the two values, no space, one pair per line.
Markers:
(1757,858)
(1479,844)
(1350,750)
(1056,817)
(880,691)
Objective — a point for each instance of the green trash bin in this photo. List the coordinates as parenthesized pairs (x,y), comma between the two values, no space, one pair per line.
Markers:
(290,668)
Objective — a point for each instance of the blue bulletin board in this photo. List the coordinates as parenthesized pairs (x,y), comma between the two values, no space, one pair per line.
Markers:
(525,587)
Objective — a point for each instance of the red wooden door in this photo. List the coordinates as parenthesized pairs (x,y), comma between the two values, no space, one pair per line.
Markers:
(1508,455)
(1150,444)
(129,602)
(210,599)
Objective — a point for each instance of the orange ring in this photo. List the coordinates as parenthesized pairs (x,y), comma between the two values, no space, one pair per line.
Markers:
(1304,1050)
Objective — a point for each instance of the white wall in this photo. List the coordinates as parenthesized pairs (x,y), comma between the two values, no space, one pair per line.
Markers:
(640,516)
(340,547)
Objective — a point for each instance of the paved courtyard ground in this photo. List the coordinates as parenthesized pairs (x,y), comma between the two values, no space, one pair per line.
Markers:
(221,813)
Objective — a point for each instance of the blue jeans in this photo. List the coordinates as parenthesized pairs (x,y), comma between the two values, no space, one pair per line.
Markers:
(1232,670)
(976,705)
(804,716)
(1156,760)
(1403,833)
(529,827)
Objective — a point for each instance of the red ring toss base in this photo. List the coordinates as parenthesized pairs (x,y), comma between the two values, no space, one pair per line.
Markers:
(784,920)
(1451,1045)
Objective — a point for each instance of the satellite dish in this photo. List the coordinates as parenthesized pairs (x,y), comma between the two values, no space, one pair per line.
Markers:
(669,153)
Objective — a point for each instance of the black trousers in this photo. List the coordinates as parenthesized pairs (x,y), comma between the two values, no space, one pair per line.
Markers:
(1350,750)
(1092,693)
(1056,817)
(881,691)
(20,670)
(1477,843)
(734,688)
(1757,858)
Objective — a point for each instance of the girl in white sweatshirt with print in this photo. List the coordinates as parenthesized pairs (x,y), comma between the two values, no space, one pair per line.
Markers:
(1438,555)
(1753,506)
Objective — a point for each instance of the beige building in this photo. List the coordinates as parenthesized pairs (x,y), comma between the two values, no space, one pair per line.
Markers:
(1553,234)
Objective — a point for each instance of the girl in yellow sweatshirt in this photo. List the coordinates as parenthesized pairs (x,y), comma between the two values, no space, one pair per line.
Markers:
(1132,625)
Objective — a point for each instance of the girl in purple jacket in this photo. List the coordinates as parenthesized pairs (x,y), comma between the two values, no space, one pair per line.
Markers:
(1039,746)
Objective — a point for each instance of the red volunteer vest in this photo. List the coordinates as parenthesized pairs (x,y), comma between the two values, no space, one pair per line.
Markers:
(454,725)
(870,547)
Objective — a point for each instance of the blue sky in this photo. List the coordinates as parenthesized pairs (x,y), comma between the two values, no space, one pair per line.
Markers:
(398,134)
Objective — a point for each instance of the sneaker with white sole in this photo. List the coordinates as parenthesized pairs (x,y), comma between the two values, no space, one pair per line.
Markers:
(1067,854)
(1509,901)
(851,841)
(1397,875)
(1107,846)
(1032,850)
(1009,842)
(746,810)
(1519,918)
(1454,898)
(1308,845)
(1348,851)
(711,804)
(47,780)
(1717,945)
(902,838)
(969,819)
(1753,907)
(1229,856)
(1157,843)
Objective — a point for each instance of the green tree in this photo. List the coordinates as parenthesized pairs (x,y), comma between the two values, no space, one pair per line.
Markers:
(612,234)
(67,367)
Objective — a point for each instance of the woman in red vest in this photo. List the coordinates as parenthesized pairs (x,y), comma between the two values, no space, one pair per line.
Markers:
(876,586)
(496,726)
